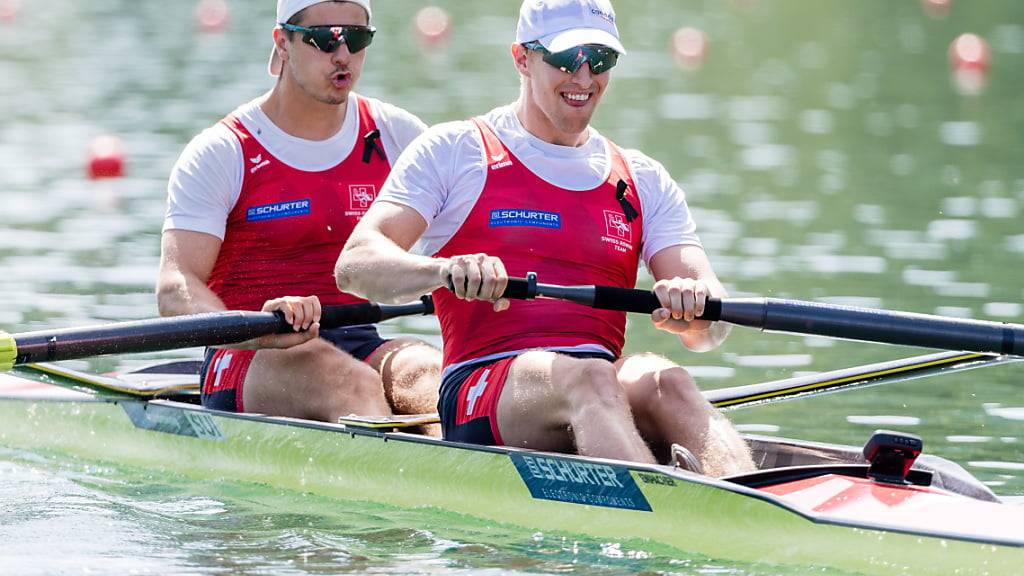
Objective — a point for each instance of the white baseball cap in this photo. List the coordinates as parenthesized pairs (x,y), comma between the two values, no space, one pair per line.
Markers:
(562,24)
(288,8)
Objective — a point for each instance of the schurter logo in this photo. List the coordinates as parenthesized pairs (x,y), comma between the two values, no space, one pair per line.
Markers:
(257,163)
(288,209)
(618,232)
(360,196)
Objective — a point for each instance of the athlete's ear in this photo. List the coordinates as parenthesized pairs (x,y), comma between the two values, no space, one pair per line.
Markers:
(519,55)
(281,44)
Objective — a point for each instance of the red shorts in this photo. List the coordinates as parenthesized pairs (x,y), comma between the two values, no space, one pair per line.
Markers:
(468,403)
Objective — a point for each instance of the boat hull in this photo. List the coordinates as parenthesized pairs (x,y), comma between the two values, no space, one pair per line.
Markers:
(607,500)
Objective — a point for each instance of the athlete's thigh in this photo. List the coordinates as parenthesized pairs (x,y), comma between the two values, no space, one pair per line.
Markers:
(533,409)
(292,381)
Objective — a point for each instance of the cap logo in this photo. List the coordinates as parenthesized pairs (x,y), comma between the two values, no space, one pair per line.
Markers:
(605,15)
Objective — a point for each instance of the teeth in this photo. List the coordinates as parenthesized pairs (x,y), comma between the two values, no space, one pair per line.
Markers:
(578,97)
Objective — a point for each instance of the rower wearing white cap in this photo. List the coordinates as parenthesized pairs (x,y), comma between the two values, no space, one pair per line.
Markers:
(259,206)
(532,187)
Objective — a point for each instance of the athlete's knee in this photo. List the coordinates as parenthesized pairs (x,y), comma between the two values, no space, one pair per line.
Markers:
(420,362)
(594,381)
(678,391)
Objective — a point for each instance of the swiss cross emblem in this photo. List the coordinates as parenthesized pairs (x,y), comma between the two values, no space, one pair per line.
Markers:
(616,226)
(360,196)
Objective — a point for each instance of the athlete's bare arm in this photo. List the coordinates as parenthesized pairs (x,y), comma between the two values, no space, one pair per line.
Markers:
(685,280)
(377,265)
(186,260)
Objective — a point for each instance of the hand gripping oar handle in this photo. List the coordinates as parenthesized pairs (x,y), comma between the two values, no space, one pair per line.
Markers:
(799,317)
(212,329)
(602,297)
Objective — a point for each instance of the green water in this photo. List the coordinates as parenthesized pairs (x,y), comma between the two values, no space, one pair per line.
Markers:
(825,150)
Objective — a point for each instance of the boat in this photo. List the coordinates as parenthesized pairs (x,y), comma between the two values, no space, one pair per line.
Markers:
(881,508)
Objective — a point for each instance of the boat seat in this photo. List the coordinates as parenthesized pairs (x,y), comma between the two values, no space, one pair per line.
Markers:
(394,423)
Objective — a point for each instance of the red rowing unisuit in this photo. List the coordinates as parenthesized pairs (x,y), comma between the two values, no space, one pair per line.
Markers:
(566,236)
(286,230)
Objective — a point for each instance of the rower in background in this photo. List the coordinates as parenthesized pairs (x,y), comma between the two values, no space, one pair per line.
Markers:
(259,206)
(533,187)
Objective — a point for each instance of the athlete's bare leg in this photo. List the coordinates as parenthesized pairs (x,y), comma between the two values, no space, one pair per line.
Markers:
(411,373)
(314,380)
(669,408)
(559,403)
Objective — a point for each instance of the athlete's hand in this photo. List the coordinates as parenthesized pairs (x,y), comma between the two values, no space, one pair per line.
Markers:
(302,312)
(682,301)
(477,277)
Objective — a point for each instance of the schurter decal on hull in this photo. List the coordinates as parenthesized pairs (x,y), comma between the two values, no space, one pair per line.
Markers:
(578,482)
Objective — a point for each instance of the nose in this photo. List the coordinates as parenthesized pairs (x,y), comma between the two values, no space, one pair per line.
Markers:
(341,55)
(583,75)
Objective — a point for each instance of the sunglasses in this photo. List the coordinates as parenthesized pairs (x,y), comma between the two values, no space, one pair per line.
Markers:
(329,38)
(600,58)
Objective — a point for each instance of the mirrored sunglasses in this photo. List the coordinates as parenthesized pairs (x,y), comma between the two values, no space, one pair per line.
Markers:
(329,38)
(600,58)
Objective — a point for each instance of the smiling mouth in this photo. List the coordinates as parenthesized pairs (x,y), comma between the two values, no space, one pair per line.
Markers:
(577,98)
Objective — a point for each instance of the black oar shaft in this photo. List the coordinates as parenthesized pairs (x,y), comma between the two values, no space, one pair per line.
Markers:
(810,318)
(884,326)
(174,332)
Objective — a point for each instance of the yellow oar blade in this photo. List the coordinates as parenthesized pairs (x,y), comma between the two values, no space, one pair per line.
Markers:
(8,351)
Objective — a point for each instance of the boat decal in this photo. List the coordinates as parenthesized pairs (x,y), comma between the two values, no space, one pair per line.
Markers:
(579,482)
(648,478)
(149,416)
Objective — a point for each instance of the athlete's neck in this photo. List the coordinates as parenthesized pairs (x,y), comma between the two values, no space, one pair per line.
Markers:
(296,114)
(541,127)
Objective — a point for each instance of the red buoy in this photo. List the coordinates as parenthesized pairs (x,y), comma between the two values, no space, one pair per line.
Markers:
(432,26)
(106,157)
(937,8)
(969,52)
(689,47)
(211,15)
(9,10)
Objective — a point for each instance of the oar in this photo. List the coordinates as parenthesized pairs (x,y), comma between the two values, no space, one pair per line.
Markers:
(212,329)
(799,317)
(847,378)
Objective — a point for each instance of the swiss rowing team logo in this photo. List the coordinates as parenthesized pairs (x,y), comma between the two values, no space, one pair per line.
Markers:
(618,232)
(616,226)
(360,196)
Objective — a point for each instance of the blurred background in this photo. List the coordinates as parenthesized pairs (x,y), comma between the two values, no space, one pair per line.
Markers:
(862,152)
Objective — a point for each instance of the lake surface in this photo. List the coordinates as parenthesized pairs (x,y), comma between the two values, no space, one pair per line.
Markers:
(826,150)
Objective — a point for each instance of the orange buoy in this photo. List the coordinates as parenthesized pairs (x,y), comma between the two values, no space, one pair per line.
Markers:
(432,26)
(106,157)
(969,52)
(211,15)
(689,47)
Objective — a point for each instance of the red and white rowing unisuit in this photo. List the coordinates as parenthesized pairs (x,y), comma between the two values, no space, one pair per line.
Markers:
(566,236)
(289,225)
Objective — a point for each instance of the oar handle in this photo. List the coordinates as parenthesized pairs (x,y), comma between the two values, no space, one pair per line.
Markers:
(153,335)
(602,297)
(366,313)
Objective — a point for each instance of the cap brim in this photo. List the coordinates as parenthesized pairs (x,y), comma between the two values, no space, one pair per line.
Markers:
(578,36)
